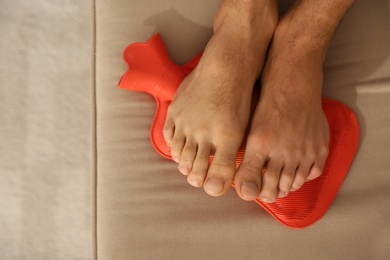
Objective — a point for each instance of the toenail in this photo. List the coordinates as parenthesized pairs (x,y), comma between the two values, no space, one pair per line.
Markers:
(184,170)
(249,190)
(214,186)
(194,182)
(266,200)
(282,194)
(309,178)
(176,159)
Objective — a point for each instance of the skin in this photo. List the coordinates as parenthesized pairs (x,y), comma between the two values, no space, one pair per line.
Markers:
(289,134)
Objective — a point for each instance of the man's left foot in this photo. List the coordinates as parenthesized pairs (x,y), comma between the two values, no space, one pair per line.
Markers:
(289,134)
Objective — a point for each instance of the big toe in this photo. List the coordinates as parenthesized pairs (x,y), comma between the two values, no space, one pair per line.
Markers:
(248,176)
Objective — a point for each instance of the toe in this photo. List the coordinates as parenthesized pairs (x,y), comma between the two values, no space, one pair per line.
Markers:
(199,169)
(269,190)
(168,130)
(221,172)
(317,168)
(187,157)
(177,146)
(248,176)
(314,172)
(286,179)
(301,176)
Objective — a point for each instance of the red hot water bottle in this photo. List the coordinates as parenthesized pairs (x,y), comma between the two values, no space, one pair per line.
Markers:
(151,70)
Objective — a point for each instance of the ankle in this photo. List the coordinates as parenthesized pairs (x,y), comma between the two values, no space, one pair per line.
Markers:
(242,33)
(247,19)
(226,55)
(287,42)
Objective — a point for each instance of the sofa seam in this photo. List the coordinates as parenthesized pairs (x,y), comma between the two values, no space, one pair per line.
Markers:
(94,134)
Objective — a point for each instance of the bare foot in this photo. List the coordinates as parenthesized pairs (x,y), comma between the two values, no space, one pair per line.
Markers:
(210,110)
(289,136)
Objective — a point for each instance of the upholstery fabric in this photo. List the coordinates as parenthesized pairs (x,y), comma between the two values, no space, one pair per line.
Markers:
(45,129)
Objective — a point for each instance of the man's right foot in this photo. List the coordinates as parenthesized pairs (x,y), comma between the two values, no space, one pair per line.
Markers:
(210,111)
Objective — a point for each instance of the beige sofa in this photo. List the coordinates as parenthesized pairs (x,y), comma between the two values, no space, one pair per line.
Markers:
(146,210)
(142,208)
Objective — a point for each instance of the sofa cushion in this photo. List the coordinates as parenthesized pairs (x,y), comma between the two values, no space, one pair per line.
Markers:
(146,210)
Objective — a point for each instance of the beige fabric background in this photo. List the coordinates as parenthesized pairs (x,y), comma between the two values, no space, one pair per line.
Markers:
(146,210)
(45,129)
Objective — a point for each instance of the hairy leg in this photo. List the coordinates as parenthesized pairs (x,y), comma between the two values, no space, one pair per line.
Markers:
(289,135)
(210,111)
